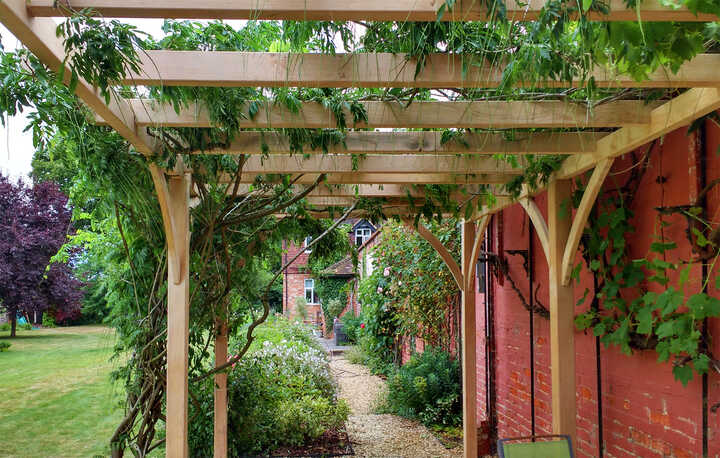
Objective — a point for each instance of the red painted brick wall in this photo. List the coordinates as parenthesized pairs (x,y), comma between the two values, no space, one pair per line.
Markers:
(646,412)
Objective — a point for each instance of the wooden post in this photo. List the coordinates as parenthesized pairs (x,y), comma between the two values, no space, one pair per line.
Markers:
(562,304)
(221,396)
(469,372)
(178,317)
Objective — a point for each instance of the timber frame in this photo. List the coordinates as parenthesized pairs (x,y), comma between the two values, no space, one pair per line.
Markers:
(396,160)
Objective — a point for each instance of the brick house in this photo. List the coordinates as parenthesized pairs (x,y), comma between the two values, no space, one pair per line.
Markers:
(299,283)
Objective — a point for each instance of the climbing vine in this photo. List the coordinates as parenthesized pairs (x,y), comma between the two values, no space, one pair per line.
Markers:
(638,303)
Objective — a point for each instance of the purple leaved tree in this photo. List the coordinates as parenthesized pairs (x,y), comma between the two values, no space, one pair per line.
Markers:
(34,223)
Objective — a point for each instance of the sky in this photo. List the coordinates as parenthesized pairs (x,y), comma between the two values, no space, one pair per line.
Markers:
(16,148)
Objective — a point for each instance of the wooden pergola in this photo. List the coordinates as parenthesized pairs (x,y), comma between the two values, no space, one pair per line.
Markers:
(395,160)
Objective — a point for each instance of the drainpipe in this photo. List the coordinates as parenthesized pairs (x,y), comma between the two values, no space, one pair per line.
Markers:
(531,301)
(701,156)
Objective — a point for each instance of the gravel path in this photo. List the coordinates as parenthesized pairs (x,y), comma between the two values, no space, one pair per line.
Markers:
(381,435)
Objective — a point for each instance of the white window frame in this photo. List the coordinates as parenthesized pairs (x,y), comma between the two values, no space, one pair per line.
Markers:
(310,289)
(307,242)
(364,233)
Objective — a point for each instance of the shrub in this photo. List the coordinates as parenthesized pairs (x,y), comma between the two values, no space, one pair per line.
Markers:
(48,321)
(301,307)
(25,326)
(335,308)
(4,327)
(427,388)
(281,393)
(4,346)
(351,324)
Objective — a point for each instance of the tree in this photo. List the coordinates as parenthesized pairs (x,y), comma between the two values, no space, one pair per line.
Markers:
(34,223)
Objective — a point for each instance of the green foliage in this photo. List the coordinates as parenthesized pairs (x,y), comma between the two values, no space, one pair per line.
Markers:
(638,304)
(48,321)
(301,307)
(4,327)
(4,346)
(25,326)
(351,326)
(427,388)
(411,280)
(281,394)
(335,308)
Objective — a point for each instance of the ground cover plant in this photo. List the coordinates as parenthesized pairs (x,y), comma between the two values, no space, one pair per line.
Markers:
(281,394)
(58,399)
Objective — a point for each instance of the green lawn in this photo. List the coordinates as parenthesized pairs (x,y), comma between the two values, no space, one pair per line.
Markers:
(57,399)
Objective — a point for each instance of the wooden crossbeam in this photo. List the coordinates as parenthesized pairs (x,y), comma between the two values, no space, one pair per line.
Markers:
(390,178)
(676,113)
(432,115)
(387,164)
(373,190)
(332,10)
(427,142)
(235,69)
(38,35)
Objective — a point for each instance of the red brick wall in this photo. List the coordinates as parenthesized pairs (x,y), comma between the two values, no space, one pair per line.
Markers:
(294,284)
(646,412)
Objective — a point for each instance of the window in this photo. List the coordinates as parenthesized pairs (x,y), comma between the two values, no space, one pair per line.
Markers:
(306,242)
(362,234)
(310,295)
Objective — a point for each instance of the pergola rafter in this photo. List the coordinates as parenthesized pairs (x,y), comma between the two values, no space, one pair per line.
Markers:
(424,114)
(426,142)
(373,70)
(330,10)
(394,158)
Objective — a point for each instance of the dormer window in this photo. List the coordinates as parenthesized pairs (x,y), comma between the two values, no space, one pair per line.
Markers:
(362,234)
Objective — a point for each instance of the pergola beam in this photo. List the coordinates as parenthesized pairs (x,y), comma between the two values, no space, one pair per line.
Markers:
(427,142)
(332,10)
(38,35)
(431,115)
(351,178)
(372,163)
(264,69)
(678,112)
(374,191)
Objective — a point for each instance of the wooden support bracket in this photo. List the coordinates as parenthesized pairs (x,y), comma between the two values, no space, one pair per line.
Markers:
(541,228)
(583,212)
(469,264)
(440,249)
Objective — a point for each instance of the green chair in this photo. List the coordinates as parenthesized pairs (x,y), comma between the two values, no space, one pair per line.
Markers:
(551,446)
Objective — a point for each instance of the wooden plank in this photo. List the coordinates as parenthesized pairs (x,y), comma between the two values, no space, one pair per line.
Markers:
(427,142)
(432,115)
(389,164)
(469,351)
(581,216)
(178,320)
(236,69)
(220,433)
(676,113)
(386,178)
(332,10)
(38,35)
(562,313)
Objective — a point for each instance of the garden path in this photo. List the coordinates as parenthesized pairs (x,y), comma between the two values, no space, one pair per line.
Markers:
(384,435)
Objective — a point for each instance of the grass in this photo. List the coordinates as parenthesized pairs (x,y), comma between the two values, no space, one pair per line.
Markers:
(57,396)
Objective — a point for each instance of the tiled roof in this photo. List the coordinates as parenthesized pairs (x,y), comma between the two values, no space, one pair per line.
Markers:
(342,268)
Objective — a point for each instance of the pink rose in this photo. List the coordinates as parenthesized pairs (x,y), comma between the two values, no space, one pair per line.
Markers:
(362,325)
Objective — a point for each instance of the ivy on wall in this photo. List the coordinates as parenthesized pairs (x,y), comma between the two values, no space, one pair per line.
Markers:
(636,302)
